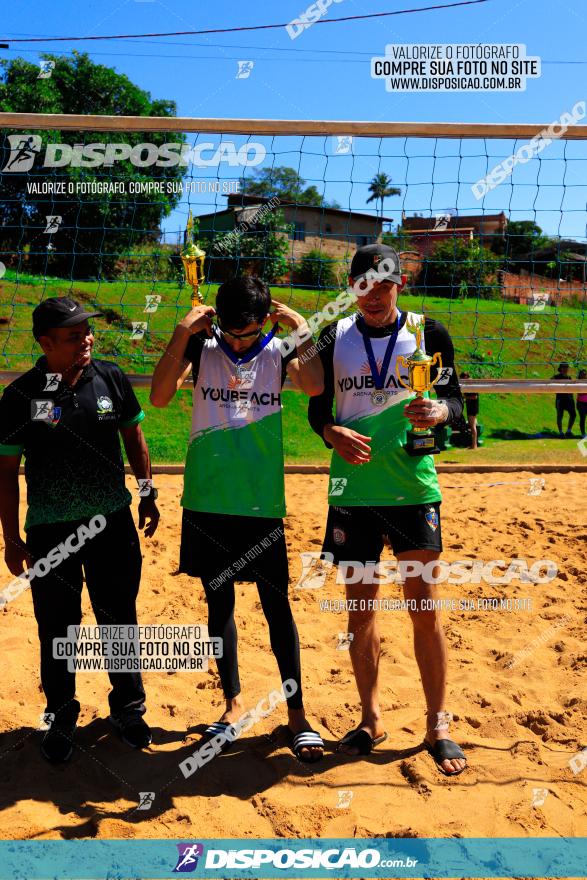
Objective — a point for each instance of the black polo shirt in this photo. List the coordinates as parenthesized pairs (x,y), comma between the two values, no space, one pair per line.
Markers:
(69,437)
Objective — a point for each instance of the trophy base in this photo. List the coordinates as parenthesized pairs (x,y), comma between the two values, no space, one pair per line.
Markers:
(421,444)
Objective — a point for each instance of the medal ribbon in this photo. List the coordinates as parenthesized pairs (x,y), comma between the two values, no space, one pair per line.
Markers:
(379,377)
(251,353)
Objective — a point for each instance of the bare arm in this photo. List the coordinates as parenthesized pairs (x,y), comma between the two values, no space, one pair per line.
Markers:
(172,370)
(137,451)
(305,371)
(15,553)
(350,445)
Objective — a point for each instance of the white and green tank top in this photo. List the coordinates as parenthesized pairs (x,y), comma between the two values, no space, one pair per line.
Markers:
(392,477)
(235,457)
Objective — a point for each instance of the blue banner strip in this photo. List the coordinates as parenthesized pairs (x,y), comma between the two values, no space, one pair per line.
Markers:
(539,857)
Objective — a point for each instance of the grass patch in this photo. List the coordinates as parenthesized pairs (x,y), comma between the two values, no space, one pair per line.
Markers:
(167,432)
(485,332)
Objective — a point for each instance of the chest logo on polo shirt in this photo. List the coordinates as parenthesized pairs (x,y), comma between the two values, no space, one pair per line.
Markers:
(105,405)
(105,409)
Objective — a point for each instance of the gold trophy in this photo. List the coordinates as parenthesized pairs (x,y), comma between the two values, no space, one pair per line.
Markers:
(420,441)
(192,258)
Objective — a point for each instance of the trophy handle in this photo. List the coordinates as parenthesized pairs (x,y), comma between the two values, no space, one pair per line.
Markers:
(436,361)
(401,361)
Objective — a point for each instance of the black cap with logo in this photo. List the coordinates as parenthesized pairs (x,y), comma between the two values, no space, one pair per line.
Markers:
(381,259)
(58,311)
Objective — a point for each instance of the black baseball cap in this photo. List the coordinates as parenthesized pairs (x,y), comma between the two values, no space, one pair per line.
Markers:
(58,311)
(379,257)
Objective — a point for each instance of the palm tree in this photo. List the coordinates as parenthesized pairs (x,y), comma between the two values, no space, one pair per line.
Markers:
(380,188)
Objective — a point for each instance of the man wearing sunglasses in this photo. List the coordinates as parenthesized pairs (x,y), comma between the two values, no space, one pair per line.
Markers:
(65,416)
(234,497)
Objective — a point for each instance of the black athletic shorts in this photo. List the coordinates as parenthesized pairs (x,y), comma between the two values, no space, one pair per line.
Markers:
(472,407)
(565,404)
(241,548)
(355,534)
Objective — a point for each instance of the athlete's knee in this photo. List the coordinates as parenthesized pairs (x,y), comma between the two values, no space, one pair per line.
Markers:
(424,616)
(363,590)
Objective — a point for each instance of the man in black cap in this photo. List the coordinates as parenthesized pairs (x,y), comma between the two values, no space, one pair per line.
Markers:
(378,491)
(64,416)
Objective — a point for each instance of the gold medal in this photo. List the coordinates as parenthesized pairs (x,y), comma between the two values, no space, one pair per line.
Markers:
(379,397)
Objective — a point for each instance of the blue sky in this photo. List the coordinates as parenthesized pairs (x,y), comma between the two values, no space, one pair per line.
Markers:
(325,74)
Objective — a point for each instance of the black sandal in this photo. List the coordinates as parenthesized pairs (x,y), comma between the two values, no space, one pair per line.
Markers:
(445,749)
(361,740)
(218,728)
(306,739)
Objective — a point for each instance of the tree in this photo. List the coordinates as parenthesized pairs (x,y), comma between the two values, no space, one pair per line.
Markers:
(460,267)
(522,237)
(380,188)
(95,228)
(317,270)
(286,184)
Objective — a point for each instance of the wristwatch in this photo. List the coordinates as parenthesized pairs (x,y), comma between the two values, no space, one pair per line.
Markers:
(153,494)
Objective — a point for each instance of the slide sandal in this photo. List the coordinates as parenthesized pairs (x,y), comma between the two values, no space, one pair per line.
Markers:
(445,750)
(304,740)
(360,739)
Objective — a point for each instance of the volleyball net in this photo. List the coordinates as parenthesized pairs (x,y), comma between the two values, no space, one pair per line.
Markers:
(489,221)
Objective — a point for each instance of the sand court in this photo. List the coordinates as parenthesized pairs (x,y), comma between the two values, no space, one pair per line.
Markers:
(516,690)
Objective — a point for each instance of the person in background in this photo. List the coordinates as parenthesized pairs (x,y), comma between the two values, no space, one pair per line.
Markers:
(582,404)
(564,402)
(472,404)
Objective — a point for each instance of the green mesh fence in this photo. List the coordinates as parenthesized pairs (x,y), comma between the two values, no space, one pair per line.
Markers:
(101,217)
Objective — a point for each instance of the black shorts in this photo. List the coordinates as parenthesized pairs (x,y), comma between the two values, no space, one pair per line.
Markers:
(240,548)
(565,404)
(472,407)
(355,534)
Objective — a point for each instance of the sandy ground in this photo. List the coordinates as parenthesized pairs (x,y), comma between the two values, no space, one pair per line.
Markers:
(520,723)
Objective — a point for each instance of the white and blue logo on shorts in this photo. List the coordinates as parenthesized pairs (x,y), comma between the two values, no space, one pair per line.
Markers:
(432,518)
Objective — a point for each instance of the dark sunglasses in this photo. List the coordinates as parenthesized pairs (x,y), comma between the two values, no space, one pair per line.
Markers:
(243,336)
